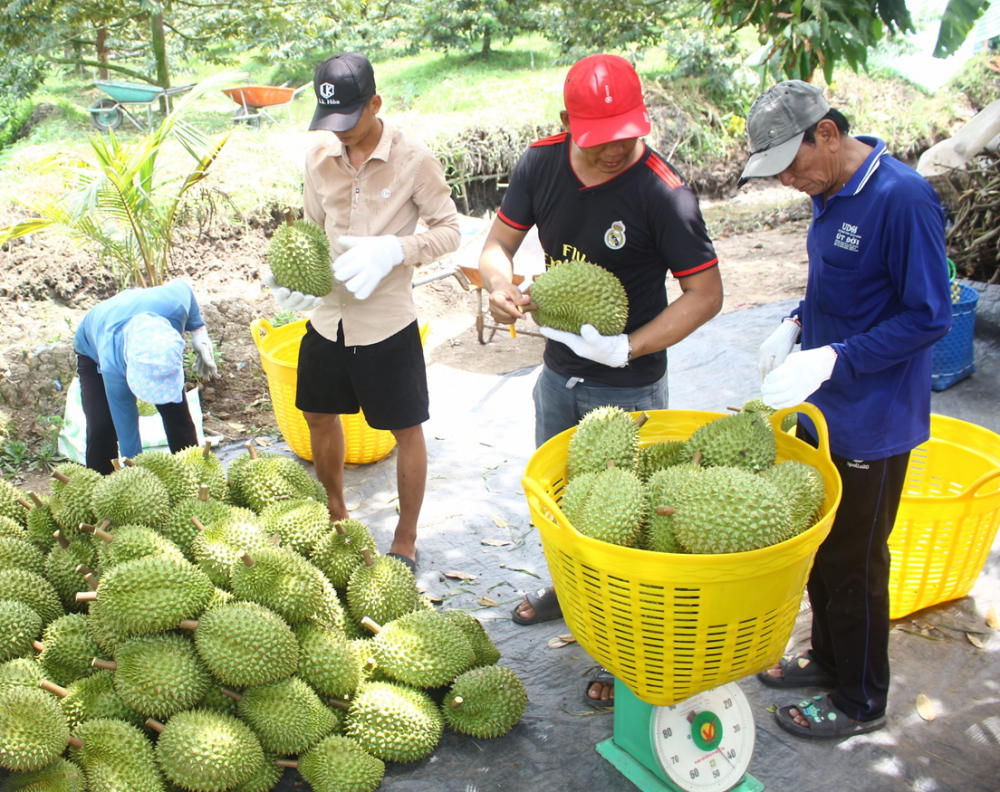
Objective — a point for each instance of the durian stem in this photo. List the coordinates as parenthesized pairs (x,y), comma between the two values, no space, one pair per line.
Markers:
(203,492)
(38,646)
(456,702)
(188,624)
(235,695)
(155,725)
(612,464)
(92,581)
(367,555)
(63,543)
(106,665)
(198,523)
(372,625)
(734,409)
(276,540)
(338,526)
(75,742)
(289,218)
(286,763)
(665,511)
(207,450)
(129,462)
(52,687)
(340,704)
(24,503)
(641,420)
(60,477)
(696,458)
(86,596)
(250,450)
(247,560)
(103,535)
(36,499)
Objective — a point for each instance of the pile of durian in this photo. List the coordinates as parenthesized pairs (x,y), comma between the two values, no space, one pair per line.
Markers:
(720,491)
(169,626)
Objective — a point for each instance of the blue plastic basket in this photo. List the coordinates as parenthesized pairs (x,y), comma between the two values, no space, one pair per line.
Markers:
(954,359)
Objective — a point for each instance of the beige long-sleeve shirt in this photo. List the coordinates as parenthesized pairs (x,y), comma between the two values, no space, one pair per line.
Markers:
(401,182)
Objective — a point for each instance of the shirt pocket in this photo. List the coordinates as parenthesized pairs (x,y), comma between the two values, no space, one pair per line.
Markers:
(850,293)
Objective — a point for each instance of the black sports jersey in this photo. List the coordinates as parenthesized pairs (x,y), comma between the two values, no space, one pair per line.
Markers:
(639,225)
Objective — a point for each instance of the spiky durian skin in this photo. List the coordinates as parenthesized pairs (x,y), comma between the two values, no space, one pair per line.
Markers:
(95,697)
(300,258)
(744,440)
(245,644)
(331,613)
(730,510)
(264,778)
(604,435)
(662,488)
(15,530)
(103,631)
(220,545)
(659,456)
(287,716)
(218,701)
(485,651)
(339,764)
(337,555)
(68,649)
(179,528)
(19,554)
(19,626)
(612,508)
(803,487)
(264,481)
(423,649)
(299,523)
(40,526)
(159,675)
(177,477)
(493,701)
(134,541)
(70,500)
(59,776)
(60,570)
(33,730)
(132,495)
(393,722)
(152,594)
(570,294)
(383,591)
(20,672)
(206,751)
(34,591)
(327,661)
(281,580)
(207,470)
(115,757)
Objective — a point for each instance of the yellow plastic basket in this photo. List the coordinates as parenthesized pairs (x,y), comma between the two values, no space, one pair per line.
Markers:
(671,625)
(279,357)
(948,516)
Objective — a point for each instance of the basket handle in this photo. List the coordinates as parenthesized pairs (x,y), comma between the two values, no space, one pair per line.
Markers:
(258,329)
(982,481)
(819,421)
(534,490)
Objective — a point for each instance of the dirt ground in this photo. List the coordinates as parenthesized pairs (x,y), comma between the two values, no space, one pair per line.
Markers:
(47,285)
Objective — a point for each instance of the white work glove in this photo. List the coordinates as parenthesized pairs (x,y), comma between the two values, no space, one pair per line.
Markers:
(366,262)
(777,346)
(613,351)
(798,377)
(204,364)
(290,300)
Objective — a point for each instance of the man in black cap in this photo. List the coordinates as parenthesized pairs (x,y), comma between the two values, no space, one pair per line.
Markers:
(367,185)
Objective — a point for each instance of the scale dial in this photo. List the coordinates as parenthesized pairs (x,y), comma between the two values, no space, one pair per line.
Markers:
(705,743)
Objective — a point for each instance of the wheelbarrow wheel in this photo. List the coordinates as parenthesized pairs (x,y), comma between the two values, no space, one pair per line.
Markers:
(105,114)
(246,115)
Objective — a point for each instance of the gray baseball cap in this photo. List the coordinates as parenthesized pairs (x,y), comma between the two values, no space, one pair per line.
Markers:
(776,124)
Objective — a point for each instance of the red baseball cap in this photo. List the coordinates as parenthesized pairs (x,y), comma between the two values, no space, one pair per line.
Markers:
(603,98)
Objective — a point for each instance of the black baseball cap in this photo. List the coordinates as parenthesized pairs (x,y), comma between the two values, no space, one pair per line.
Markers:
(343,85)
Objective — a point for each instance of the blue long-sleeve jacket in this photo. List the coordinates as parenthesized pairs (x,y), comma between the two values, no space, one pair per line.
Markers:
(878,293)
(101,337)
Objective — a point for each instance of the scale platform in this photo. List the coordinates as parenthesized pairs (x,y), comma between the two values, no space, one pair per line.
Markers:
(703,744)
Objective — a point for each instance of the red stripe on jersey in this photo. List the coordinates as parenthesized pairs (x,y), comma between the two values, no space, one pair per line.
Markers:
(699,268)
(551,140)
(511,223)
(661,169)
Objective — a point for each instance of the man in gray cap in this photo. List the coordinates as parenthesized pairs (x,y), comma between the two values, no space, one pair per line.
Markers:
(876,301)
(368,184)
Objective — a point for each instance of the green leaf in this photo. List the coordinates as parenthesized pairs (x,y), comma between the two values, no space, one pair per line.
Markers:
(959,18)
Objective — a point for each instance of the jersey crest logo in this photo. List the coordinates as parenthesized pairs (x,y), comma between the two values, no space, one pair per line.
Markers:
(614,237)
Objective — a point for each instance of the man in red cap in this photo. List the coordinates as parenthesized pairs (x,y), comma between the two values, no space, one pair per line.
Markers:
(597,193)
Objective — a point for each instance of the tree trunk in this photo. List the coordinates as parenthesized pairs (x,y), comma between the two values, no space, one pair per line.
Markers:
(102,52)
(486,45)
(160,55)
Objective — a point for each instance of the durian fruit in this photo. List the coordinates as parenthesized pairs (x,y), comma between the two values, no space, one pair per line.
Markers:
(422,648)
(180,529)
(72,489)
(244,644)
(338,553)
(20,672)
(159,675)
(19,627)
(299,522)
(33,729)
(327,660)
(95,697)
(131,495)
(570,294)
(206,751)
(12,503)
(218,701)
(103,630)
(129,542)
(115,757)
(730,510)
(281,580)
(382,589)
(40,524)
(32,590)
(15,530)
(207,469)
(659,456)
(757,405)
(339,764)
(299,257)
(152,594)
(59,776)
(62,565)
(264,778)
(267,479)
(610,508)
(485,702)
(177,477)
(394,722)
(330,613)
(744,440)
(19,554)
(803,487)
(287,716)
(604,435)
(67,649)
(219,545)
(662,487)
(485,651)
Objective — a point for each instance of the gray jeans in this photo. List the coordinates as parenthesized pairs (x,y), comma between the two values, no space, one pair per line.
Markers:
(558,408)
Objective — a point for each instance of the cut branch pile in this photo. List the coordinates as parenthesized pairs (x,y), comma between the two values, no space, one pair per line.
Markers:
(974,238)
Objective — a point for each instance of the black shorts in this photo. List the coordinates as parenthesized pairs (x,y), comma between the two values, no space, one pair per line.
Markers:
(387,380)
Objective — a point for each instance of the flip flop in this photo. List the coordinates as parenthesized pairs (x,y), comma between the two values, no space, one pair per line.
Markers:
(544,603)
(410,563)
(799,671)
(826,721)
(603,677)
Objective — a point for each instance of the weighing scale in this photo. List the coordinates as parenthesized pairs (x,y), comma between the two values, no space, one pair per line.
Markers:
(702,744)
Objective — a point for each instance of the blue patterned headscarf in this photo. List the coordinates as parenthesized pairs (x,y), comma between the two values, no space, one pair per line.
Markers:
(154,359)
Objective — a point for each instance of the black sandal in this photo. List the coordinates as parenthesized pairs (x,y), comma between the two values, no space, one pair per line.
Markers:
(602,677)
(799,671)
(544,603)
(826,720)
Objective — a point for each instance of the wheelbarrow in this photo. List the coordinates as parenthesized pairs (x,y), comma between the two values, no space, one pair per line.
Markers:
(108,114)
(254,101)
